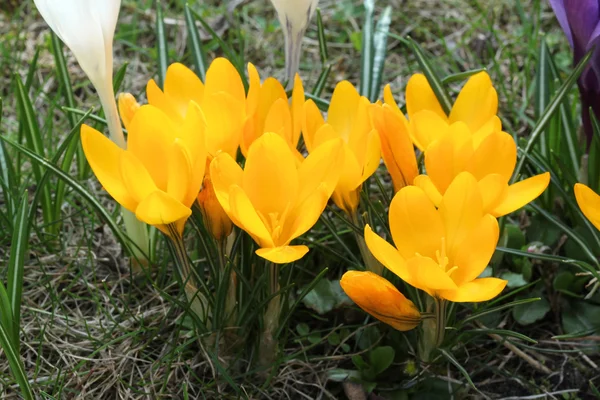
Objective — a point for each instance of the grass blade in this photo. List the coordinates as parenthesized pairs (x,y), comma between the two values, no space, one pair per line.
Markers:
(15,363)
(195,43)
(549,112)
(380,48)
(320,85)
(462,369)
(16,263)
(34,143)
(323,52)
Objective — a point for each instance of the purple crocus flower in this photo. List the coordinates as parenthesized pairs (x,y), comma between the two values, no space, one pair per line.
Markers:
(580,19)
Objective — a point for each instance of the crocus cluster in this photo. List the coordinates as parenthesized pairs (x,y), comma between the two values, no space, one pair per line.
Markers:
(443,223)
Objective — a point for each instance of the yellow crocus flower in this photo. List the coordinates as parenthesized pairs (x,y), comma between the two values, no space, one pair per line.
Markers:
(269,110)
(476,106)
(381,299)
(490,158)
(222,99)
(589,203)
(274,198)
(441,251)
(348,118)
(160,173)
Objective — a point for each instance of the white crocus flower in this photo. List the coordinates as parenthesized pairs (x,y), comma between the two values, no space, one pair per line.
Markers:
(294,16)
(87,27)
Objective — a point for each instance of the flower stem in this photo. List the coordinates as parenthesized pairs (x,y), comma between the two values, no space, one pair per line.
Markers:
(231,300)
(268,344)
(440,317)
(371,263)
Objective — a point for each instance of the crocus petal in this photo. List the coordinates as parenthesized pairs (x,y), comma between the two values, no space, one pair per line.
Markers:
(589,203)
(381,299)
(475,252)
(493,188)
(157,98)
(312,121)
(426,127)
(492,125)
(520,193)
(270,176)
(427,275)
(559,10)
(415,223)
(386,254)
(152,132)
(182,86)
(322,166)
(297,108)
(420,96)
(284,254)
(128,106)
(346,194)
(461,209)
(306,214)
(179,169)
(344,104)
(225,117)
(477,94)
(243,214)
(388,98)
(192,135)
(371,155)
(224,173)
(103,156)
(138,181)
(279,121)
(158,208)
(497,154)
(475,291)
(424,182)
(222,76)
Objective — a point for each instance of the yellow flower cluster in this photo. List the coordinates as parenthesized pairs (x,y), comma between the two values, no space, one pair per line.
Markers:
(443,223)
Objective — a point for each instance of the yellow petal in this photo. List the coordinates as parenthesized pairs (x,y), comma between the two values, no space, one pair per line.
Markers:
(381,299)
(461,209)
(279,121)
(158,208)
(440,160)
(475,291)
(424,182)
(160,100)
(182,86)
(271,91)
(222,76)
(244,215)
(521,193)
(103,156)
(427,275)
(179,169)
(313,120)
(151,134)
(371,155)
(215,219)
(346,195)
(476,103)
(415,223)
(128,106)
(225,173)
(192,134)
(420,96)
(322,166)
(343,107)
(427,127)
(138,181)
(493,188)
(386,254)
(306,214)
(497,154)
(298,100)
(396,147)
(284,254)
(492,125)
(270,176)
(475,252)
(389,100)
(589,203)
(253,90)
(225,118)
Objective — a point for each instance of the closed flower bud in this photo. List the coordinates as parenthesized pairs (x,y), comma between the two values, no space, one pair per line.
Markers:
(215,219)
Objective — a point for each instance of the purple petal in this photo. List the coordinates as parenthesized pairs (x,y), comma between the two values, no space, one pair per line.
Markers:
(583,16)
(559,10)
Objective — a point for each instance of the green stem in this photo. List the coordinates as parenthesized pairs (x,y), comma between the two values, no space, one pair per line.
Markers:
(268,345)
(440,316)
(231,300)
(371,263)
(196,300)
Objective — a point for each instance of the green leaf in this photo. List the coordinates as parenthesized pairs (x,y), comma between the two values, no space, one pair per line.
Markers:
(453,360)
(195,43)
(161,46)
(380,45)
(15,363)
(580,316)
(527,314)
(514,280)
(381,358)
(366,68)
(323,52)
(326,296)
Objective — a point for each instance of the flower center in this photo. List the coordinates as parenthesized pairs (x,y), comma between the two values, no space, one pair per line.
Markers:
(442,259)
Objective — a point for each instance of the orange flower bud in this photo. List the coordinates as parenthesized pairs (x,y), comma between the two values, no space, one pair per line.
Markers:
(215,219)
(128,106)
